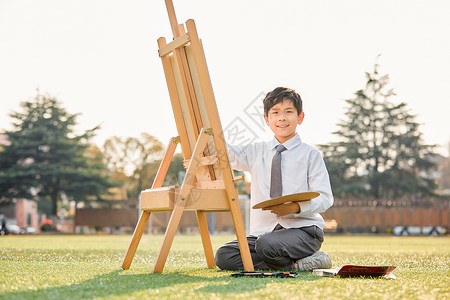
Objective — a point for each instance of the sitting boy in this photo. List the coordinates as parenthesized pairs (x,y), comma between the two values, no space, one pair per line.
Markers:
(285,236)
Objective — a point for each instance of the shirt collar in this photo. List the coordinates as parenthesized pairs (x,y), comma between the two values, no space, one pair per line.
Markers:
(289,144)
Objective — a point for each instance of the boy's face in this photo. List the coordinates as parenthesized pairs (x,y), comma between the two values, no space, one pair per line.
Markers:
(283,119)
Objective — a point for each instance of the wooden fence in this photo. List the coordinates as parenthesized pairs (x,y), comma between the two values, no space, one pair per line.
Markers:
(352,215)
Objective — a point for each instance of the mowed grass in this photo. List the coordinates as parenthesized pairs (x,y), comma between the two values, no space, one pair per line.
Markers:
(88,267)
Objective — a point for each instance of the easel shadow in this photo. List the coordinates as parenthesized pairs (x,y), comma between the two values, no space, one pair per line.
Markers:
(117,283)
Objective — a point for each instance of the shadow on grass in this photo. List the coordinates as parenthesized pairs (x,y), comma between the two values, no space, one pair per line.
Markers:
(116,284)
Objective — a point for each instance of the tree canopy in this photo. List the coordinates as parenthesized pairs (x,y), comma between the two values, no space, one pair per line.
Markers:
(381,152)
(135,161)
(45,158)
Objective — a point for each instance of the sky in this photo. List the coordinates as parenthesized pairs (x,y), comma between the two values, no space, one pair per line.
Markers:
(100,59)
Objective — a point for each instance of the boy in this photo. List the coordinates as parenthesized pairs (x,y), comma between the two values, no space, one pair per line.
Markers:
(286,236)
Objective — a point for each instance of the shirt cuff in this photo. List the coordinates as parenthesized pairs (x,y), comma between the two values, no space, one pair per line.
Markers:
(305,207)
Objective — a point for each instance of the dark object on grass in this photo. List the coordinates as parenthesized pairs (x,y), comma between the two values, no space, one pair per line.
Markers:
(265,274)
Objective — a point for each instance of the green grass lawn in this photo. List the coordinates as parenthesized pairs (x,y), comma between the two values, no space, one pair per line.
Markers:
(86,267)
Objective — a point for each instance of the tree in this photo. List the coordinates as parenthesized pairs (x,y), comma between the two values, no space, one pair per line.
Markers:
(134,160)
(46,159)
(381,152)
(444,181)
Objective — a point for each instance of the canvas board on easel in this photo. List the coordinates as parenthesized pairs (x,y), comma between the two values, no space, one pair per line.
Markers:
(209,184)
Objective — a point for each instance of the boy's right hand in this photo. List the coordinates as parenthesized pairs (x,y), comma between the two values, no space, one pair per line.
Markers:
(284,209)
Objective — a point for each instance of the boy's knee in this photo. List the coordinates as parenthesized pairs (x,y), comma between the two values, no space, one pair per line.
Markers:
(264,246)
(222,257)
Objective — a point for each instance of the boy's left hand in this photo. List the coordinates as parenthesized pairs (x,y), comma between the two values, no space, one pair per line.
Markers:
(284,209)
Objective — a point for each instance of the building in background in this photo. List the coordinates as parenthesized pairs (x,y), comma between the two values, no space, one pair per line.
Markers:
(20,212)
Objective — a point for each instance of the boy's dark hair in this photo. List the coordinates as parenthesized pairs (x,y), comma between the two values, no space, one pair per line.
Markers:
(278,95)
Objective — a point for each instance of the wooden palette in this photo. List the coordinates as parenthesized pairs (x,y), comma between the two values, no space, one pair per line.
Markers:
(299,197)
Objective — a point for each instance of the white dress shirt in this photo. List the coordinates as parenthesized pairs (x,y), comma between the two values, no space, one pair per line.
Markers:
(302,170)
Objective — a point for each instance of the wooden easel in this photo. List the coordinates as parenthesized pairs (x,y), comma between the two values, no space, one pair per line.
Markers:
(208,185)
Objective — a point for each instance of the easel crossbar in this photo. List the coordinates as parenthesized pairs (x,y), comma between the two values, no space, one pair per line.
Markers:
(170,47)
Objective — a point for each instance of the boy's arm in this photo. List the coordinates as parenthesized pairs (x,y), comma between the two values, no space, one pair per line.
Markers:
(239,157)
(318,181)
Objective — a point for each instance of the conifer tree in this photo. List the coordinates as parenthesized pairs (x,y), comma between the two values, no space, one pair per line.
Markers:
(45,158)
(381,152)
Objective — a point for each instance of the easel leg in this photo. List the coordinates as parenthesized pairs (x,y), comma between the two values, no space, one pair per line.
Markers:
(168,238)
(241,237)
(181,202)
(140,227)
(206,240)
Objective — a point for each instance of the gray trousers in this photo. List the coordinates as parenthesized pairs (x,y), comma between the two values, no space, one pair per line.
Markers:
(275,250)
